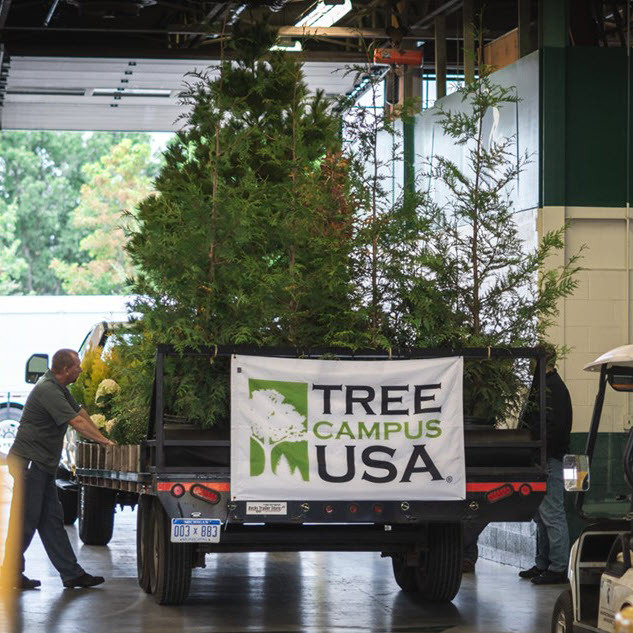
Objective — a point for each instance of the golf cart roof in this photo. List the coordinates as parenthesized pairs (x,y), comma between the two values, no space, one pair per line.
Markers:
(621,356)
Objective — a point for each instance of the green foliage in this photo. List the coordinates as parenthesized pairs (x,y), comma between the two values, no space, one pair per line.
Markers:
(11,265)
(94,369)
(401,305)
(262,231)
(115,184)
(247,238)
(41,176)
(499,293)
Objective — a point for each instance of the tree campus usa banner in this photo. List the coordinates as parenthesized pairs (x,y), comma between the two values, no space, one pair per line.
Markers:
(346,430)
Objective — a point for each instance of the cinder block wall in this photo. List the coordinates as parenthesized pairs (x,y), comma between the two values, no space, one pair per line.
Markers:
(509,544)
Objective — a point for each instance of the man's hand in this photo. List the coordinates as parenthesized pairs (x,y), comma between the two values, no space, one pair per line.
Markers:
(86,427)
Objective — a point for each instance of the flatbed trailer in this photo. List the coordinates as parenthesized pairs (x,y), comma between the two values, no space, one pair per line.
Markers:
(181,472)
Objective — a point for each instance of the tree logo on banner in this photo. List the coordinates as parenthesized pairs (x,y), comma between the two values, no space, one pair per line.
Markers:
(278,422)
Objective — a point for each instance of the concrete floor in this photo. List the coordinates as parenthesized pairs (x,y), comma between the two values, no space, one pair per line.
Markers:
(280,593)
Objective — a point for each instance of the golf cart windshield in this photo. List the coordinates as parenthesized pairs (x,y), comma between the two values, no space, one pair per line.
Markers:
(609,440)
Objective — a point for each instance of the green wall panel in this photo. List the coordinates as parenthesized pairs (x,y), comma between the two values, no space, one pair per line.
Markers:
(585,122)
(596,144)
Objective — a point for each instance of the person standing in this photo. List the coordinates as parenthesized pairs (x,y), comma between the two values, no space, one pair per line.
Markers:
(33,461)
(552,544)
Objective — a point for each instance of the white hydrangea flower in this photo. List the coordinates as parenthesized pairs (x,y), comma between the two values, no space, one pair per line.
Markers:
(109,424)
(107,387)
(99,420)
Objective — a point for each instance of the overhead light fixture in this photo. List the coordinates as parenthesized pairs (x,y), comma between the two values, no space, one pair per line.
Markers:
(325,15)
(131,92)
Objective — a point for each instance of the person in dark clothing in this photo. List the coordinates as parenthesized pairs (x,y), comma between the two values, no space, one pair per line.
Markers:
(33,461)
(471,530)
(552,545)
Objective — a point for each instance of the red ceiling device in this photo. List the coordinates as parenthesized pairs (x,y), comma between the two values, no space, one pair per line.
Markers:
(394,56)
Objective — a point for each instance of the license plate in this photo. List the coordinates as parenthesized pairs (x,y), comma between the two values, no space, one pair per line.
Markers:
(195,530)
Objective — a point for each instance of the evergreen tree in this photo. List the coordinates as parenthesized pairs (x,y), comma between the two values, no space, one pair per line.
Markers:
(402,307)
(499,293)
(247,238)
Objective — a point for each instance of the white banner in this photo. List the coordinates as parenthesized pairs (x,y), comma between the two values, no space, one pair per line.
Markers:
(346,430)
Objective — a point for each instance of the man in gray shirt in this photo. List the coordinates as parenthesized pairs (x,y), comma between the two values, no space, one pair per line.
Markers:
(33,461)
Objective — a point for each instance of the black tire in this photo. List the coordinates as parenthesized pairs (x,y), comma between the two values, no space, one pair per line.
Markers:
(170,569)
(143,542)
(68,499)
(404,575)
(439,574)
(96,514)
(563,615)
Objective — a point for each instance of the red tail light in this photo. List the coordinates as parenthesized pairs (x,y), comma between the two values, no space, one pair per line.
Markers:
(204,493)
(377,508)
(499,493)
(353,508)
(329,509)
(177,490)
(525,489)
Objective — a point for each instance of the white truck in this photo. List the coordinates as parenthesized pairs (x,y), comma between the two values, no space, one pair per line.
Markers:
(43,324)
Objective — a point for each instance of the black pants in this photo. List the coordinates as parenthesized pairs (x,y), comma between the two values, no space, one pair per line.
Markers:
(35,506)
(472,530)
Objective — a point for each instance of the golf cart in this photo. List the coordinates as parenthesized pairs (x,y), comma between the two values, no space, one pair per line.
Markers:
(600,570)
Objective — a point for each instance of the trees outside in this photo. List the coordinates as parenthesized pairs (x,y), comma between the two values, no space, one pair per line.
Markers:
(11,264)
(114,186)
(40,180)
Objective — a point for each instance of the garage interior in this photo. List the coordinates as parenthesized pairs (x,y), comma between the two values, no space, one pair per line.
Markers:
(119,65)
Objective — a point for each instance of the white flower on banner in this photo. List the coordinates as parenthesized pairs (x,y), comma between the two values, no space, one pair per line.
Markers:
(273,421)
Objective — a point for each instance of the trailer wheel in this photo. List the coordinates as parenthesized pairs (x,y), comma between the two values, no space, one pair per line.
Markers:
(563,615)
(170,569)
(439,574)
(404,575)
(68,499)
(96,515)
(143,542)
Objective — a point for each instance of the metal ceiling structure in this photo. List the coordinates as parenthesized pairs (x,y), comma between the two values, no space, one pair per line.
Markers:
(120,64)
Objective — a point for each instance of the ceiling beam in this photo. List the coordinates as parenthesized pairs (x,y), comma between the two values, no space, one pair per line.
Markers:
(183,29)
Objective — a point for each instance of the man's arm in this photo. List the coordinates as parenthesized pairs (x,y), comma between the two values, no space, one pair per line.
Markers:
(86,427)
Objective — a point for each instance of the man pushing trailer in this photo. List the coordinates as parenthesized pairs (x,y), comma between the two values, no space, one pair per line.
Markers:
(33,461)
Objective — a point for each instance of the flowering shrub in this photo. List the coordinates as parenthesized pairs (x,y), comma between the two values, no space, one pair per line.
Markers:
(99,420)
(107,387)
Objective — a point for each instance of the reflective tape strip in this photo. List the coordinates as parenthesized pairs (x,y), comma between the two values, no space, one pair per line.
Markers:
(536,486)
(166,486)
